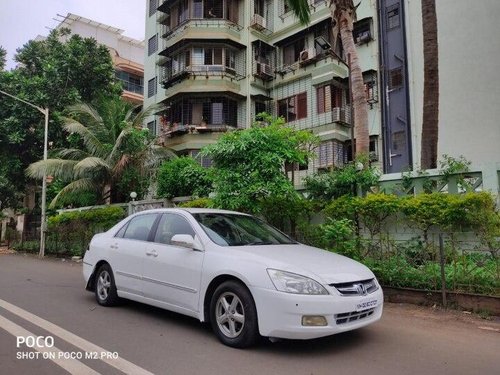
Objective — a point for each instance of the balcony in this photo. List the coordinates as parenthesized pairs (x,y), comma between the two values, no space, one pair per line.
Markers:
(172,77)
(132,87)
(200,114)
(177,129)
(207,29)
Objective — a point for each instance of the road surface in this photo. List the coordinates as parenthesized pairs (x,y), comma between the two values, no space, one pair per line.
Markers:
(47,298)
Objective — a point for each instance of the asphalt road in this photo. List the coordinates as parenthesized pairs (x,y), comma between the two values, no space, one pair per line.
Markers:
(47,298)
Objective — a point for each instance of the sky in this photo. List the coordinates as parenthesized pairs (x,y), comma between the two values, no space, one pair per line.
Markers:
(22,20)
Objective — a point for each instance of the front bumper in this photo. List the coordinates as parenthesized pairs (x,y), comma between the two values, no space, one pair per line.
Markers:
(280,314)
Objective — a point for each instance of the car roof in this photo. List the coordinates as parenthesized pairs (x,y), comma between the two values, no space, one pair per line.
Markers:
(192,211)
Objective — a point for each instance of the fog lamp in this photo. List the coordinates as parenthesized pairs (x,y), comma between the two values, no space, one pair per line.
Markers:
(314,320)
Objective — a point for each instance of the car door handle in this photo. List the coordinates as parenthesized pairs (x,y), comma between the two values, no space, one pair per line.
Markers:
(115,246)
(152,253)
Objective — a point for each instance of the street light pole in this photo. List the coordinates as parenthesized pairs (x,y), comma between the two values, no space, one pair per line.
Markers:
(43,224)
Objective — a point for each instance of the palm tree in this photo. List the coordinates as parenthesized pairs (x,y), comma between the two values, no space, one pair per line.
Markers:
(343,15)
(429,151)
(112,140)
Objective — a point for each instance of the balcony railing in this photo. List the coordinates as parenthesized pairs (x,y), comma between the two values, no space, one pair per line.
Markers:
(180,129)
(170,32)
(171,77)
(132,87)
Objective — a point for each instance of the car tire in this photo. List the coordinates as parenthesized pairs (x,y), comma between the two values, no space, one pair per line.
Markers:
(105,287)
(233,315)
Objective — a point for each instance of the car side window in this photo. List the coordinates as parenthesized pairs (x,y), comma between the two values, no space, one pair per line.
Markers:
(170,225)
(140,227)
(122,230)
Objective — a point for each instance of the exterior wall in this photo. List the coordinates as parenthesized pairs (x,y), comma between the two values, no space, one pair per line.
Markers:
(151,69)
(469,58)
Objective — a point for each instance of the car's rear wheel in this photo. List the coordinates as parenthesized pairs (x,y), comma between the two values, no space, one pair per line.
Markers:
(233,315)
(105,288)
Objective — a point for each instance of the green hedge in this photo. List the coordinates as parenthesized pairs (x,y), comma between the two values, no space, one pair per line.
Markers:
(104,217)
(70,233)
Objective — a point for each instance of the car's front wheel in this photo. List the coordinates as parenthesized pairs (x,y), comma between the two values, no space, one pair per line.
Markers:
(233,315)
(105,288)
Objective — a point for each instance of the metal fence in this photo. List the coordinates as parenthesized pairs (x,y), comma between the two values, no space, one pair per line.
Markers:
(443,264)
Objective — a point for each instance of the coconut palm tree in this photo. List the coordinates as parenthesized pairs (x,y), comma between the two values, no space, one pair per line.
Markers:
(343,15)
(429,151)
(112,140)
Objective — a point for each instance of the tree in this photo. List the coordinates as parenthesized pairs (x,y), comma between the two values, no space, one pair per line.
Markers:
(249,164)
(3,59)
(343,15)
(183,177)
(114,143)
(51,73)
(430,119)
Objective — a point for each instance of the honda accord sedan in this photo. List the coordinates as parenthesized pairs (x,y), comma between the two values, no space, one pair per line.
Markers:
(244,277)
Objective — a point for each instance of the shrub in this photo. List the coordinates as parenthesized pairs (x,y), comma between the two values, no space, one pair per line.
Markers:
(375,208)
(286,212)
(183,177)
(102,217)
(340,237)
(198,203)
(70,232)
(343,181)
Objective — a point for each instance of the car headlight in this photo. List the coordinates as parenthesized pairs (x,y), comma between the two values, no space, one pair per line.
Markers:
(292,283)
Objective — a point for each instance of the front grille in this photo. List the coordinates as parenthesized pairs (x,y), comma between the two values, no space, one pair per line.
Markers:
(353,316)
(356,288)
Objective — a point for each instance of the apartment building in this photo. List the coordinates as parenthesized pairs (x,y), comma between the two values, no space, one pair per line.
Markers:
(214,65)
(127,53)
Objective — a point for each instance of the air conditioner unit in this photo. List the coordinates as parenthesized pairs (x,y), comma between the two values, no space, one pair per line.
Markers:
(363,37)
(258,22)
(341,115)
(263,70)
(307,54)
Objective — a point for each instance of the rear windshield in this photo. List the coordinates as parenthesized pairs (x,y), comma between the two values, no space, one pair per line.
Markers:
(240,230)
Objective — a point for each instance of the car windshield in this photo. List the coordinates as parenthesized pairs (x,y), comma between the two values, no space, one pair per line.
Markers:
(240,230)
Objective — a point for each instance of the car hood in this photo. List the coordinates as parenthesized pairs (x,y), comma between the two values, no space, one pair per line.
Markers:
(308,261)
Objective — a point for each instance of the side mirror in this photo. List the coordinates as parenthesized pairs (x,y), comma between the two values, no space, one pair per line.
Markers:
(187,241)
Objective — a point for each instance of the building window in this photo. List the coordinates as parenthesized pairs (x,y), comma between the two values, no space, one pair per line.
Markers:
(151,87)
(152,127)
(260,107)
(293,108)
(395,78)
(362,31)
(329,97)
(153,4)
(393,20)
(152,45)
(373,149)
(291,52)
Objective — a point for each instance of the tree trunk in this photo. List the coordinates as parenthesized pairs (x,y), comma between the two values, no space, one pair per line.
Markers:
(345,18)
(430,126)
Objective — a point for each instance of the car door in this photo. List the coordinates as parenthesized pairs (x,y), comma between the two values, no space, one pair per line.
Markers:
(172,274)
(127,252)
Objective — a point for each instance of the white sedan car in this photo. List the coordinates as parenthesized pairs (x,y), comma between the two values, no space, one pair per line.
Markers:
(233,270)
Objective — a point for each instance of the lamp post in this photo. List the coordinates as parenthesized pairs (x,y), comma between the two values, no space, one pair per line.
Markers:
(43,224)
